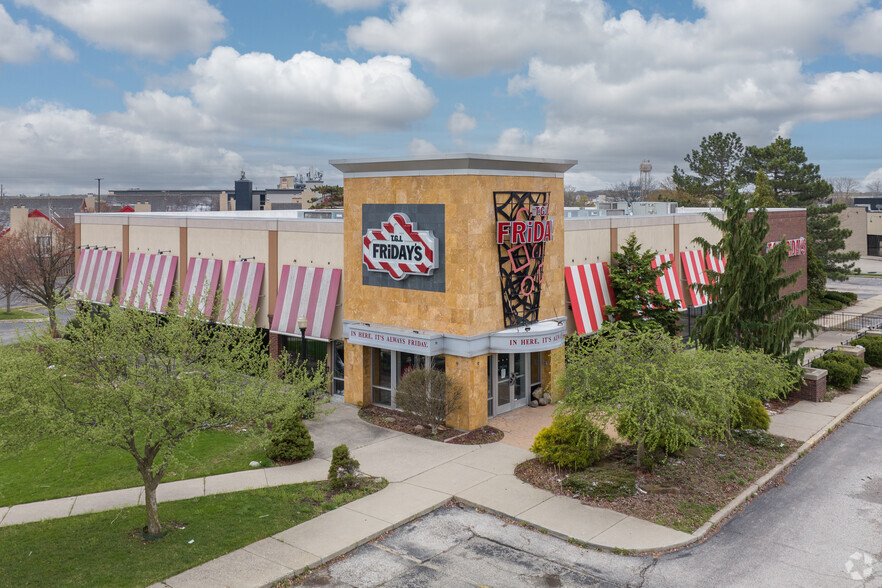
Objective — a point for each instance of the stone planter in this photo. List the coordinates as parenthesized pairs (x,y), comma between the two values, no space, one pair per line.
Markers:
(852,350)
(814,385)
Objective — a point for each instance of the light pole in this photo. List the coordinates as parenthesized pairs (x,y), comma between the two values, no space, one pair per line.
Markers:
(98,208)
(302,323)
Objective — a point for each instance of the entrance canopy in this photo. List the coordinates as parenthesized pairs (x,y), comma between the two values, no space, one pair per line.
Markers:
(539,336)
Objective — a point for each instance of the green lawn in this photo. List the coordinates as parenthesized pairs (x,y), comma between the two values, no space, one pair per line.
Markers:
(17,314)
(54,467)
(106,549)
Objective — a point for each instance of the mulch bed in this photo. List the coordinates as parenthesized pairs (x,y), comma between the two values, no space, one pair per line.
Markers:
(397,420)
(682,492)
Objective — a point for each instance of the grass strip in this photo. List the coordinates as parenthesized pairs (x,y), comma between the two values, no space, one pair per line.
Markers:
(106,549)
(17,314)
(54,467)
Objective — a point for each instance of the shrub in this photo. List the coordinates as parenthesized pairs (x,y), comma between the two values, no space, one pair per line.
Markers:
(845,298)
(843,370)
(290,441)
(751,414)
(572,441)
(344,469)
(429,395)
(873,346)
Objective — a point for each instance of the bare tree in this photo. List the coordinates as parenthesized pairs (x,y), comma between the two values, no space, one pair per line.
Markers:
(430,395)
(7,273)
(844,187)
(874,186)
(41,266)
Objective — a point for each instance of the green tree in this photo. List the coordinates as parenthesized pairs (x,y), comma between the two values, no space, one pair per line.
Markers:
(715,165)
(143,382)
(634,283)
(658,394)
(794,181)
(815,274)
(826,238)
(747,307)
(331,196)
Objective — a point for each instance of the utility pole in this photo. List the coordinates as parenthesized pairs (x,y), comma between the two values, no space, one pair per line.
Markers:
(98,206)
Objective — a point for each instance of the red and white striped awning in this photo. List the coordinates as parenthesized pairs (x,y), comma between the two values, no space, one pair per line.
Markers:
(241,292)
(96,275)
(717,264)
(149,280)
(694,269)
(309,292)
(668,285)
(201,286)
(590,293)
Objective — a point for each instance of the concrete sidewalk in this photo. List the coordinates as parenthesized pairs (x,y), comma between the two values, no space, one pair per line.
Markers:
(422,476)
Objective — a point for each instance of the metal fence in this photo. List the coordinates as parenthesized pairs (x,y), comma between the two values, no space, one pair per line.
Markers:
(849,321)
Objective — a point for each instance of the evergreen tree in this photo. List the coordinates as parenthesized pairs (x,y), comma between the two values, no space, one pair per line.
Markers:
(633,281)
(794,181)
(715,165)
(747,308)
(827,240)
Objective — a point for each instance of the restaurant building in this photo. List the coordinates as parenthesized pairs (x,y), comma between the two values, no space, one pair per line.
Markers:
(466,263)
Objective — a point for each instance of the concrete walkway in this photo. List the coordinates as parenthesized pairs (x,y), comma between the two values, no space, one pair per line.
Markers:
(422,475)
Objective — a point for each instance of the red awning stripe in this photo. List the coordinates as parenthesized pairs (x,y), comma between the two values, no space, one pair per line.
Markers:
(590,291)
(200,287)
(96,275)
(309,292)
(717,264)
(241,292)
(148,282)
(668,285)
(694,269)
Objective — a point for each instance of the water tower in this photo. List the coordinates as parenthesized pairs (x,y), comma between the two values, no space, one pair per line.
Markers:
(645,178)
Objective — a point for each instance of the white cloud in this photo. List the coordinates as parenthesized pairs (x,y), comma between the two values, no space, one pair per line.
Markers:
(419,147)
(20,43)
(346,5)
(465,38)
(309,91)
(460,124)
(865,35)
(54,145)
(157,29)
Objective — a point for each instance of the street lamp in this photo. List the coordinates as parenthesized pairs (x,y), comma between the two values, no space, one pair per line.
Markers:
(98,208)
(302,323)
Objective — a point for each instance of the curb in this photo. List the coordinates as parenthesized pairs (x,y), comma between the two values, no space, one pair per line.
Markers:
(752,490)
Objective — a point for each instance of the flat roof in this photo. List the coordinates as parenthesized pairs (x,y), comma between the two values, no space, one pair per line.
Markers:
(453,164)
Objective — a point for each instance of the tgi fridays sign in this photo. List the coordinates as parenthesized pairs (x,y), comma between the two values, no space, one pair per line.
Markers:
(794,246)
(397,248)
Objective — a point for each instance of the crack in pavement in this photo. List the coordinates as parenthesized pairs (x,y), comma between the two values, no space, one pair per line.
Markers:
(649,567)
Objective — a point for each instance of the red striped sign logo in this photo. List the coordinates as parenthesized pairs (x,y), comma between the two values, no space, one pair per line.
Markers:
(399,249)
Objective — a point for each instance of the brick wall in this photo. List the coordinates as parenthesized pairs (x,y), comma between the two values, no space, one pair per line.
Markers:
(790,224)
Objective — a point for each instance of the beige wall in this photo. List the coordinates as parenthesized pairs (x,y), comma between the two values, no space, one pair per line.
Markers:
(587,241)
(855,218)
(650,235)
(153,239)
(471,303)
(103,234)
(697,227)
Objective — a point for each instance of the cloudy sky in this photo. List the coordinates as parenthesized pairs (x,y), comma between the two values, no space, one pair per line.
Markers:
(185,93)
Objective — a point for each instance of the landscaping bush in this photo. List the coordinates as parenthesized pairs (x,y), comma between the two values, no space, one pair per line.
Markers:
(429,395)
(751,414)
(290,441)
(845,298)
(572,441)
(873,346)
(343,472)
(843,370)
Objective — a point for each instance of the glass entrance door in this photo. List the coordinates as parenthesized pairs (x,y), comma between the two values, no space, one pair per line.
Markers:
(511,381)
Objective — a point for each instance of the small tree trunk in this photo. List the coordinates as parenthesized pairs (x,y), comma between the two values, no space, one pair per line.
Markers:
(8,302)
(150,484)
(53,321)
(641,454)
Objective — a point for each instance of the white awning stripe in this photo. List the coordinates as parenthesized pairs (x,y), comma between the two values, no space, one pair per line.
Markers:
(309,292)
(148,282)
(590,291)
(668,285)
(200,287)
(241,292)
(694,270)
(96,275)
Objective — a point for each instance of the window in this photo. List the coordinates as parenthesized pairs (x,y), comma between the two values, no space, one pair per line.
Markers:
(339,368)
(381,376)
